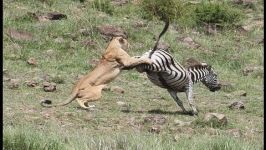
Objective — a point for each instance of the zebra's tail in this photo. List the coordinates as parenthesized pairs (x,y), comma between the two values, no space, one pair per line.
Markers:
(161,34)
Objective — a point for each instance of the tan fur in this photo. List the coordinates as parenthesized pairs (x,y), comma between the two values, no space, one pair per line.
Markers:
(89,87)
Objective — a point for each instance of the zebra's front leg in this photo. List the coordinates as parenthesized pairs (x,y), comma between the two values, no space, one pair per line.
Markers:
(177,100)
(189,94)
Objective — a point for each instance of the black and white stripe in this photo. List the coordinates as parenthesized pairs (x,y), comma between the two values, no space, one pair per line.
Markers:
(167,73)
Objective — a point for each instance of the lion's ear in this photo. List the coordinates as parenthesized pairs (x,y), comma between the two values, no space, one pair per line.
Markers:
(121,41)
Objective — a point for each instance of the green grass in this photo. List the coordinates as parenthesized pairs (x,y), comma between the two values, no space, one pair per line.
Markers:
(110,126)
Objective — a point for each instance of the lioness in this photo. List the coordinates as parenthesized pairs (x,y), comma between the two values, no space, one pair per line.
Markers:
(89,87)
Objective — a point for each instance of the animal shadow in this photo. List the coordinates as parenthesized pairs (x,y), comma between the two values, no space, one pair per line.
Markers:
(158,111)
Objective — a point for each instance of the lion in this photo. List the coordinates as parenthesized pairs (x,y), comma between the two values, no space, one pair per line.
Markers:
(89,87)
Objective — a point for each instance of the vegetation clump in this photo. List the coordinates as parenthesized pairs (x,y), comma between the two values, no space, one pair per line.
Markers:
(219,13)
(158,9)
(104,6)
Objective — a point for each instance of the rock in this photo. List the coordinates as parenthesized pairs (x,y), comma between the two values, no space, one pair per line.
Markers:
(119,2)
(20,35)
(210,28)
(155,119)
(85,32)
(242,30)
(247,3)
(249,69)
(190,42)
(215,117)
(261,41)
(155,129)
(88,43)
(50,53)
(237,105)
(212,131)
(32,61)
(48,16)
(234,132)
(181,123)
(120,103)
(139,24)
(6,79)
(5,72)
(117,89)
(55,16)
(31,83)
(14,83)
(49,87)
(59,40)
(111,31)
(240,93)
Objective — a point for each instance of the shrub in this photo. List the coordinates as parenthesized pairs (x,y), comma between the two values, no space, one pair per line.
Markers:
(219,13)
(160,9)
(104,6)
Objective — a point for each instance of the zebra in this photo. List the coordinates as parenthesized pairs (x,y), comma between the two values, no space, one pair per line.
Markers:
(169,74)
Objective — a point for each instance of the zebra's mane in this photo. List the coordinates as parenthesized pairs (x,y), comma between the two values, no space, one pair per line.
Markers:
(198,66)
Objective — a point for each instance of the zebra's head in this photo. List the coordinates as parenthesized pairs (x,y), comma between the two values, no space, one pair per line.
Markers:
(211,80)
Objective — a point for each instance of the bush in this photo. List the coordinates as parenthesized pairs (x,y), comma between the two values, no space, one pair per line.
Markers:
(219,13)
(104,6)
(160,9)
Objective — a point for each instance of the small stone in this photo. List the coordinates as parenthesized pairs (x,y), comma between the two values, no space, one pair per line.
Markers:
(155,119)
(14,83)
(59,40)
(32,61)
(237,105)
(5,71)
(120,103)
(117,89)
(235,132)
(188,40)
(139,24)
(55,16)
(20,35)
(212,131)
(31,83)
(220,118)
(119,2)
(250,69)
(84,32)
(155,129)
(111,31)
(6,79)
(181,123)
(49,87)
(240,93)
(88,43)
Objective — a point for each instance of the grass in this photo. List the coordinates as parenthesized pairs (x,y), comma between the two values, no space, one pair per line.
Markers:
(110,126)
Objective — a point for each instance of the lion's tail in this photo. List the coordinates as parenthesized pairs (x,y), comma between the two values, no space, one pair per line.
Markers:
(48,103)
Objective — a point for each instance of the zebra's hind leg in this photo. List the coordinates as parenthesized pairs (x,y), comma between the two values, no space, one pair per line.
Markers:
(177,100)
(189,93)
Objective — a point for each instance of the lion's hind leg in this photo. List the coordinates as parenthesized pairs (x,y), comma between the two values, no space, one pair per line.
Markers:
(89,94)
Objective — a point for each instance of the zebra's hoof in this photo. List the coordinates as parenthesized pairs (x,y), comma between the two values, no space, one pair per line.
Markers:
(192,113)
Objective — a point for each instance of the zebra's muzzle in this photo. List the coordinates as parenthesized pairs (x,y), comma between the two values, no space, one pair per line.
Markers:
(216,88)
